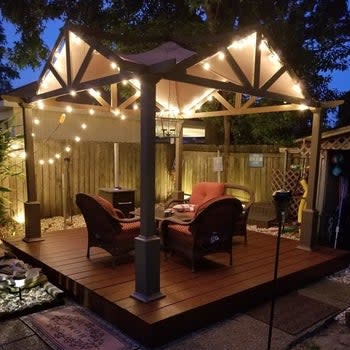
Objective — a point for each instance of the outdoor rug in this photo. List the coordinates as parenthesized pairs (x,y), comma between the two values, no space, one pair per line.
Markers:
(75,328)
(330,292)
(294,312)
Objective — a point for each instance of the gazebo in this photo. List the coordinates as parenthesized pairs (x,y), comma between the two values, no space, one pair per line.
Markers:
(171,82)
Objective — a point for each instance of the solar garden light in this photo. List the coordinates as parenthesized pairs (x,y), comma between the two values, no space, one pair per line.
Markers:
(281,200)
(19,283)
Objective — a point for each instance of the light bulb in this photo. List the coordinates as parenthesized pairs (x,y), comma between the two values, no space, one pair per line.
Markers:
(51,161)
(67,149)
(57,156)
(41,162)
(69,109)
(76,138)
(36,121)
(83,126)
(91,111)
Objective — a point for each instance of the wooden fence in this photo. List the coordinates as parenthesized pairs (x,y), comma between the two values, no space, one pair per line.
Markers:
(90,166)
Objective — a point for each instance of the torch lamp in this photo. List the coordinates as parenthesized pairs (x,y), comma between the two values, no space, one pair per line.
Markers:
(281,200)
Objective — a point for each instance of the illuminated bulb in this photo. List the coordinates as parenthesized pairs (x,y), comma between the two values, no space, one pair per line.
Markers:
(36,121)
(263,46)
(41,162)
(116,111)
(69,109)
(83,126)
(122,117)
(62,118)
(137,82)
(76,138)
(73,93)
(114,65)
(221,55)
(303,107)
(206,66)
(33,134)
(67,149)
(40,104)
(124,82)
(51,161)
(297,88)
(91,111)
(20,218)
(57,156)
(135,106)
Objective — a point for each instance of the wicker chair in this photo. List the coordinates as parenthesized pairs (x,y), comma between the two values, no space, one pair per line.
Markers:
(201,192)
(247,197)
(208,231)
(107,228)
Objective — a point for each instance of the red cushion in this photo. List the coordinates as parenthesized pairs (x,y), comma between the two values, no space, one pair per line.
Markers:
(179,229)
(204,191)
(131,228)
(107,205)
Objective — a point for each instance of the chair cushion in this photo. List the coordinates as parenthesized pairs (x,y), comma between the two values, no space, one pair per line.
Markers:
(179,229)
(204,191)
(131,228)
(107,205)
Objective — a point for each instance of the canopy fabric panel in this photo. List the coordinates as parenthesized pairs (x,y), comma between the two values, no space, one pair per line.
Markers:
(247,65)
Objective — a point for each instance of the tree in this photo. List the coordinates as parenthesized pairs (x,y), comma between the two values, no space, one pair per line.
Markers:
(344,111)
(7,71)
(7,168)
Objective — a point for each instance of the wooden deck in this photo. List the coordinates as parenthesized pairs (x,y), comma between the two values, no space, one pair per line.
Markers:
(192,300)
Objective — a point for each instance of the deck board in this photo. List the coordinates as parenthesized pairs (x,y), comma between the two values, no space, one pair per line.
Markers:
(192,300)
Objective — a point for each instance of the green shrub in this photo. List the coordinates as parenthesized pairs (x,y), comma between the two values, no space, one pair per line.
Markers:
(7,169)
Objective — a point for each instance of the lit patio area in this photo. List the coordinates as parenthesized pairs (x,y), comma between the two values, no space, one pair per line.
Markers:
(192,300)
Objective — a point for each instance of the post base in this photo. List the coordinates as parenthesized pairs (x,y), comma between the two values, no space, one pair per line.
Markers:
(32,222)
(147,268)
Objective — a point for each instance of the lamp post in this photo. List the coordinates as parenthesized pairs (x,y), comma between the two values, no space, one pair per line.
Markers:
(281,200)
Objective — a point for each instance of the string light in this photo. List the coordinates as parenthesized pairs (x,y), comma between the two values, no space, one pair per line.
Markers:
(206,66)
(69,109)
(36,121)
(114,66)
(303,107)
(124,82)
(68,149)
(41,161)
(51,161)
(40,104)
(57,155)
(221,55)
(77,138)
(83,126)
(116,111)
(122,117)
(73,93)
(91,111)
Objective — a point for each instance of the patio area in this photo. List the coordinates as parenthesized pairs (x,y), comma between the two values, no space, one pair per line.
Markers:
(192,300)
